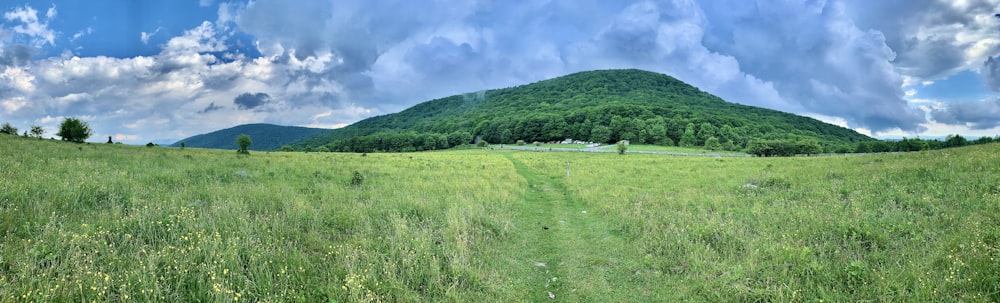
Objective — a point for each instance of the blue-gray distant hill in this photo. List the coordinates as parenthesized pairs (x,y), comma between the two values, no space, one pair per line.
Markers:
(265,137)
(599,106)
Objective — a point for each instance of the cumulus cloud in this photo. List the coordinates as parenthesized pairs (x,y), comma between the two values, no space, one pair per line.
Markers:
(352,59)
(932,38)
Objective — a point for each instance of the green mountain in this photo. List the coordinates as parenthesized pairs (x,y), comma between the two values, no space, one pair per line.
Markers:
(600,106)
(264,136)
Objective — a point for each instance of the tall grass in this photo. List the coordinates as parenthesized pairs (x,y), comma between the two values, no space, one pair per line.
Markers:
(96,222)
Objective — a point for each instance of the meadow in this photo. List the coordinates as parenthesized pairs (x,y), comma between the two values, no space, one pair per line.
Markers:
(98,222)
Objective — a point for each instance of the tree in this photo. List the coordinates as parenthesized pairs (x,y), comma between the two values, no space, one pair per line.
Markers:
(37,131)
(951,141)
(712,143)
(808,147)
(459,138)
(182,144)
(8,129)
(109,140)
(505,135)
(74,130)
(688,139)
(621,147)
(600,134)
(244,142)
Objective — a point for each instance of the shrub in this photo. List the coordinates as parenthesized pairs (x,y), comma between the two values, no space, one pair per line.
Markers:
(520,142)
(357,178)
(150,144)
(621,147)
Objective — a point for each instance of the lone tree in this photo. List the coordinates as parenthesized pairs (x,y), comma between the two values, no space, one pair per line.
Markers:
(37,131)
(8,129)
(243,141)
(74,130)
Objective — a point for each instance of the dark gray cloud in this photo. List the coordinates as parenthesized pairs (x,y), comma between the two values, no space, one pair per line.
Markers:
(991,72)
(251,101)
(210,108)
(975,115)
(16,55)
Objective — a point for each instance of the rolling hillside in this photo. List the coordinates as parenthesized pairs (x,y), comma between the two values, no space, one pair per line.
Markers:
(264,136)
(599,106)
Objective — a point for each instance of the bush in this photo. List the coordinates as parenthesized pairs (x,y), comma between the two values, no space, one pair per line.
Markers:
(74,130)
(287,148)
(357,178)
(520,142)
(621,147)
(150,144)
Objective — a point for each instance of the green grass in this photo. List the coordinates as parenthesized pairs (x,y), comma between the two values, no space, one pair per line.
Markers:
(97,222)
(676,149)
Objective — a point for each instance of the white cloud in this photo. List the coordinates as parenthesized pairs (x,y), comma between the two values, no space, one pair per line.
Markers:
(84,32)
(38,32)
(144,36)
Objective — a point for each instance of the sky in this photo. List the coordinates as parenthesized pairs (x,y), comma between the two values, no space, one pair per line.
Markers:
(160,71)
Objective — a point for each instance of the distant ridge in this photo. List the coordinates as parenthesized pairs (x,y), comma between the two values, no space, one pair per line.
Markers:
(265,137)
(603,105)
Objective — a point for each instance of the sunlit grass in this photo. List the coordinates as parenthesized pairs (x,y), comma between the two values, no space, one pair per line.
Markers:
(97,222)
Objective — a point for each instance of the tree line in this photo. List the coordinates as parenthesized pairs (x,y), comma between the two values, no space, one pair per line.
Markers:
(71,129)
(398,142)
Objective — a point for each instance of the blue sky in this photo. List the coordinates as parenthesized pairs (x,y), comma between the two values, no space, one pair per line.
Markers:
(159,71)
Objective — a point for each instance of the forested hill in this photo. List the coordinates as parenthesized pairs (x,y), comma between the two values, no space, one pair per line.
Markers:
(264,136)
(600,106)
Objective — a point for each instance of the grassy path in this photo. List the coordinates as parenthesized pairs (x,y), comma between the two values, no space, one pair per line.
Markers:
(579,253)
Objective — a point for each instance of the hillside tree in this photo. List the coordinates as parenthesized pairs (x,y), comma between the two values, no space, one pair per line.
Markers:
(37,131)
(244,142)
(74,130)
(8,129)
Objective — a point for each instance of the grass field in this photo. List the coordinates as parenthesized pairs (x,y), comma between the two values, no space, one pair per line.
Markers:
(98,222)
